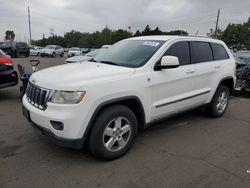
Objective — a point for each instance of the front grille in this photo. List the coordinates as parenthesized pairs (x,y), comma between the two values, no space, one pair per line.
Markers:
(37,96)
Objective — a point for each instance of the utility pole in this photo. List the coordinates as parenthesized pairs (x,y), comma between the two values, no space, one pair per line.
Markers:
(29,22)
(217,23)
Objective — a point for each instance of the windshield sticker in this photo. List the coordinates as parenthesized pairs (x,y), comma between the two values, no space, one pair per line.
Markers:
(150,43)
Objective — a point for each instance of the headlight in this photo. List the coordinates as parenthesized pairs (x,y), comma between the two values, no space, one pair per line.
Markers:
(67,97)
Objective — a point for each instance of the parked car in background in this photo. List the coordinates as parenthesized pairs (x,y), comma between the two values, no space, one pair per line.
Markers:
(85,57)
(135,83)
(15,49)
(52,51)
(85,50)
(106,46)
(8,76)
(35,50)
(66,49)
(74,51)
(242,58)
(243,53)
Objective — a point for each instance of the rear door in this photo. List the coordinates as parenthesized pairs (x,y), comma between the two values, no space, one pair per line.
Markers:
(207,70)
(173,88)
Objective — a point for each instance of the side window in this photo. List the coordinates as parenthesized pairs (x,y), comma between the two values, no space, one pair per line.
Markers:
(180,50)
(219,52)
(201,52)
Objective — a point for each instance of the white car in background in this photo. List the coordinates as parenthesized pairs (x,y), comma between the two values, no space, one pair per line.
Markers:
(87,57)
(74,51)
(35,50)
(52,51)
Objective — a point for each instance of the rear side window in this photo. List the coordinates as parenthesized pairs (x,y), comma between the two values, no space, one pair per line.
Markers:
(201,52)
(219,52)
(180,50)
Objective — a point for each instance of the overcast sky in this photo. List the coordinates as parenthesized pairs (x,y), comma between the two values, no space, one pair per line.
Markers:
(193,16)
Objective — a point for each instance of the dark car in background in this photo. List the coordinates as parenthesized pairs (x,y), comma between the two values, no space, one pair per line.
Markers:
(8,76)
(15,49)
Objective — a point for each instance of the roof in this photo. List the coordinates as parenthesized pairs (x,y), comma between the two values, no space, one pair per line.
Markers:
(173,37)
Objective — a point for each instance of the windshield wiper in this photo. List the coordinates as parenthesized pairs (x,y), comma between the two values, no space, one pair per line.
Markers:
(108,62)
(92,60)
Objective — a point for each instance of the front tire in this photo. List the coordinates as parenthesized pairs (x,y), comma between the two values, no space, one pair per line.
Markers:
(62,54)
(219,103)
(113,132)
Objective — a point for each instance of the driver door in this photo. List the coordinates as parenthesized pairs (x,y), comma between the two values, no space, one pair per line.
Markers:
(173,87)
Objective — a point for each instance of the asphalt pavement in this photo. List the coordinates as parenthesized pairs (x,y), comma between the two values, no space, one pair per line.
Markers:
(189,150)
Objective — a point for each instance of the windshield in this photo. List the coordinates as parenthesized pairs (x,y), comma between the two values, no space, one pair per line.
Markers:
(74,49)
(50,47)
(4,44)
(129,53)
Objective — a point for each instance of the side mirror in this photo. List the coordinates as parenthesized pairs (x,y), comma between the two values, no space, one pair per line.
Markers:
(169,62)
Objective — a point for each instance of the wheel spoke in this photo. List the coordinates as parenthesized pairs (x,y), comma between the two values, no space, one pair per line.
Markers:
(121,142)
(108,131)
(118,122)
(125,129)
(110,143)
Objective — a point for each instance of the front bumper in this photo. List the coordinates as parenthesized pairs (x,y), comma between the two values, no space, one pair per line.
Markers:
(68,143)
(9,78)
(73,122)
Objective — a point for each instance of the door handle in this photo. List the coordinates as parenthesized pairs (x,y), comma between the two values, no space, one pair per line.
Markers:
(190,71)
(217,66)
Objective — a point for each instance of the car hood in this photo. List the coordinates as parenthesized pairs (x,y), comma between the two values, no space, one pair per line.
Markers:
(76,59)
(74,51)
(72,77)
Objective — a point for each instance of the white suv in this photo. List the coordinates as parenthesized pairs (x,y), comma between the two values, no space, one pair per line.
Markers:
(135,83)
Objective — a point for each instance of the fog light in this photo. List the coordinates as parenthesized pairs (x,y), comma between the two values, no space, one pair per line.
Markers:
(57,125)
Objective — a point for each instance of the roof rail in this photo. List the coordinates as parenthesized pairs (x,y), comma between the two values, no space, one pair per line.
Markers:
(201,36)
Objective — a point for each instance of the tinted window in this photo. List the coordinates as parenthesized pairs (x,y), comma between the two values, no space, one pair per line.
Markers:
(219,52)
(180,50)
(201,52)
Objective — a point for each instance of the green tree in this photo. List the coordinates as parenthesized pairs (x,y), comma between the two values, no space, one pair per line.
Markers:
(9,35)
(97,39)
(147,31)
(217,35)
(137,33)
(176,32)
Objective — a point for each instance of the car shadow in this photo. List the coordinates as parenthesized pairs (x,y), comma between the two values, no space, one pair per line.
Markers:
(165,125)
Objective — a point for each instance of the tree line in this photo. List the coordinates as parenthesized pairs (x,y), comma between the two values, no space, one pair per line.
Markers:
(99,38)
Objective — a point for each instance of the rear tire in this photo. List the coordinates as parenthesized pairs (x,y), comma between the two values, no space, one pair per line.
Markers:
(219,103)
(62,54)
(53,54)
(113,132)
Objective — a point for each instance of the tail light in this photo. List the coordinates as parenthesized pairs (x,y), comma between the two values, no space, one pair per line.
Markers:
(5,61)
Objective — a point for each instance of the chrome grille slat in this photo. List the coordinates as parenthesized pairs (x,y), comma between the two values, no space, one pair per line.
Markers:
(37,96)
